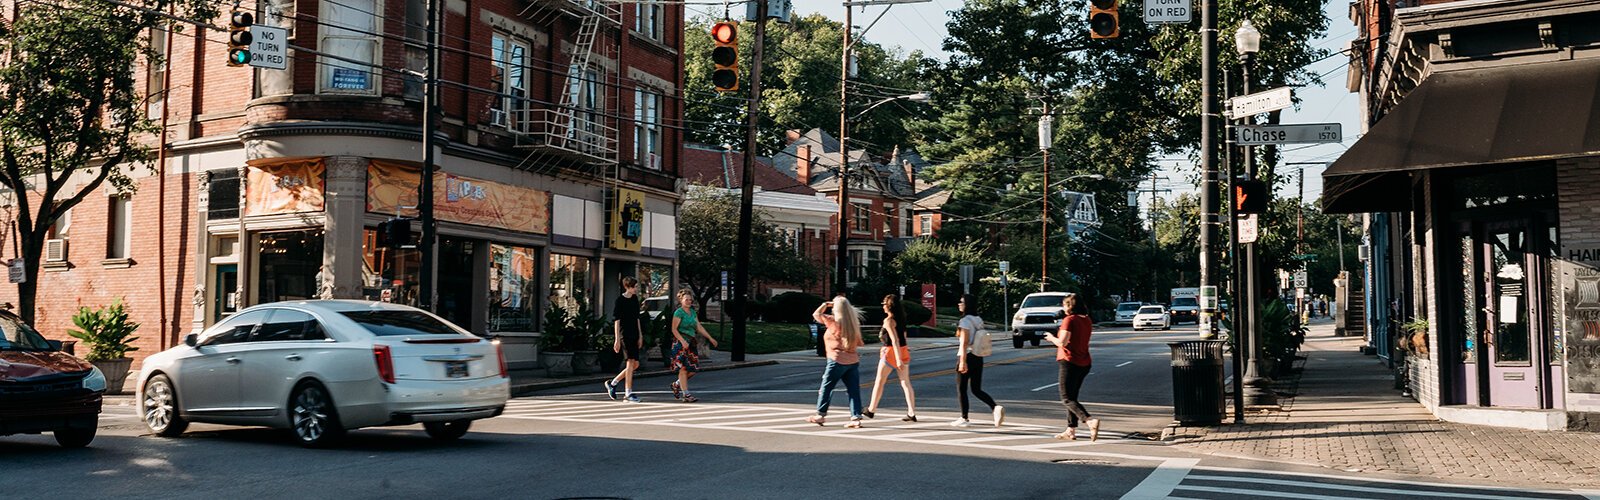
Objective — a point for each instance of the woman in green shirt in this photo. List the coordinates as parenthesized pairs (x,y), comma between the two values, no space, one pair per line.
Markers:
(685,329)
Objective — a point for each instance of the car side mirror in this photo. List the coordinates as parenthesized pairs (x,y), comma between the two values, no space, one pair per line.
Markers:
(191,340)
(55,345)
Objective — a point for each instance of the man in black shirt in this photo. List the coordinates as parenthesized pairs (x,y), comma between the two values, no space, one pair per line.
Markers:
(629,340)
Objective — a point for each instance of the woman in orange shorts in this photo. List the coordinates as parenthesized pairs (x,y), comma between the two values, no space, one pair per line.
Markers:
(895,355)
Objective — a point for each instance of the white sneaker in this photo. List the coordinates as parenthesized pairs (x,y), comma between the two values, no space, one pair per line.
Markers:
(999,415)
(961,422)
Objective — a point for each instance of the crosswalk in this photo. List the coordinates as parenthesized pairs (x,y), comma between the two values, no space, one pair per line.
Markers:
(1181,479)
(789,419)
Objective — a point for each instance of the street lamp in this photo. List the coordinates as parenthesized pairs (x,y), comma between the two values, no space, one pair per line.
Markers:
(1247,40)
(842,254)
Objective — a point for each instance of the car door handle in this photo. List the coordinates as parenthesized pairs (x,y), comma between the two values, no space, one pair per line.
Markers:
(233,361)
(292,357)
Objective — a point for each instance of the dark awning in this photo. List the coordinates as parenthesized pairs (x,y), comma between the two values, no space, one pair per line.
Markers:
(1485,116)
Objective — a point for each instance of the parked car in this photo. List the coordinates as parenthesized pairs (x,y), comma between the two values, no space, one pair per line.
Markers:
(656,306)
(1037,315)
(1125,312)
(45,389)
(320,368)
(1152,317)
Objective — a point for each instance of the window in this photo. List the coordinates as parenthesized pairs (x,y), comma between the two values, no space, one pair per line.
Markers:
(648,21)
(583,89)
(236,329)
(510,78)
(647,127)
(392,323)
(906,221)
(222,197)
(888,220)
(155,76)
(858,265)
(289,325)
(927,225)
(117,226)
(862,216)
(569,281)
(513,288)
(343,36)
(63,224)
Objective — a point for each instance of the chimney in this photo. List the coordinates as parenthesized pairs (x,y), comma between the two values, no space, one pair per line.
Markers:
(802,164)
(911,176)
(792,135)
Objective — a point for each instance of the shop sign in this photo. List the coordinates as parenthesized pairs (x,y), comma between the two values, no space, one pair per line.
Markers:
(466,200)
(930,295)
(627,220)
(284,186)
(1581,284)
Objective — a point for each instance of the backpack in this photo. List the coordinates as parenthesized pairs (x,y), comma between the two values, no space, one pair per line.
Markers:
(982,343)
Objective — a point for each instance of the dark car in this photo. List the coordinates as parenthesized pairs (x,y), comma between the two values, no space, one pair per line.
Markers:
(43,389)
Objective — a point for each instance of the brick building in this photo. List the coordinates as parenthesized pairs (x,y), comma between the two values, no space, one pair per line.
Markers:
(558,160)
(1475,178)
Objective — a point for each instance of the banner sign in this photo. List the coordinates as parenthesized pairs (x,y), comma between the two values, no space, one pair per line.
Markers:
(284,186)
(930,294)
(458,199)
(627,220)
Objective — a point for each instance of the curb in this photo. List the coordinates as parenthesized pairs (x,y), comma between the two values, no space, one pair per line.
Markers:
(518,390)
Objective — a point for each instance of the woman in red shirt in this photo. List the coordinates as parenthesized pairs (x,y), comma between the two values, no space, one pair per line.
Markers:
(1072,353)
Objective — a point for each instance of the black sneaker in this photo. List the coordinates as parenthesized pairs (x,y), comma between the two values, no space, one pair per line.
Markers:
(611,389)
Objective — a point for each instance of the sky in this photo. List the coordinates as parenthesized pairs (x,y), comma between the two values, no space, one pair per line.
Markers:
(921,26)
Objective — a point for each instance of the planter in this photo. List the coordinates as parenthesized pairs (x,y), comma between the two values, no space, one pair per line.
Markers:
(610,361)
(116,372)
(585,362)
(556,364)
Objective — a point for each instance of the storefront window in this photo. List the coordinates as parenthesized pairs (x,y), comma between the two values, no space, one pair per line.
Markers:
(655,285)
(513,288)
(569,281)
(389,274)
(290,265)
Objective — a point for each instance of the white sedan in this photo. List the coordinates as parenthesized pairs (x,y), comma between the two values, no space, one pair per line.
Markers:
(320,368)
(1152,317)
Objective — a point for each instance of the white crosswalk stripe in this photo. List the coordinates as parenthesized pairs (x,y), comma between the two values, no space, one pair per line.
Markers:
(1249,483)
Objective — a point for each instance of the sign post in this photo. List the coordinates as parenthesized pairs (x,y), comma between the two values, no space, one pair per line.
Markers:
(966,278)
(1005,292)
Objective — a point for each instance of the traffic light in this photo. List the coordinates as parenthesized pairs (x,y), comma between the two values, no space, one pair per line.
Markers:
(1103,22)
(725,56)
(1249,197)
(239,38)
(395,233)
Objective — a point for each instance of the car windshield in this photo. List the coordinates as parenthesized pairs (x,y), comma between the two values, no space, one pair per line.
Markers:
(18,336)
(1184,302)
(393,323)
(1043,300)
(1128,306)
(1150,310)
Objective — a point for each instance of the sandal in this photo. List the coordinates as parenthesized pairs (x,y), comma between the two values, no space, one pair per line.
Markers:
(687,398)
(676,392)
(816,419)
(1094,429)
(908,418)
(855,423)
(1071,434)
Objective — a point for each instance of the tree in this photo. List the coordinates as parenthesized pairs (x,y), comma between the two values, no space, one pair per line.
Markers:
(71,116)
(706,243)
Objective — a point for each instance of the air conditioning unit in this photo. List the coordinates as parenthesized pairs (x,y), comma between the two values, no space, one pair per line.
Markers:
(55,250)
(1364,252)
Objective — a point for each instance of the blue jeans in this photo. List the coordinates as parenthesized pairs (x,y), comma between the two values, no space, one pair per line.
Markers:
(851,374)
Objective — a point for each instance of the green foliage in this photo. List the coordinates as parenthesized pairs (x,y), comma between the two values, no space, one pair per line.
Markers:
(568,331)
(792,307)
(933,261)
(706,242)
(556,323)
(107,330)
(1280,330)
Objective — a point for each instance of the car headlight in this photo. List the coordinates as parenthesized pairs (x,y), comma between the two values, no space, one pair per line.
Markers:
(95,380)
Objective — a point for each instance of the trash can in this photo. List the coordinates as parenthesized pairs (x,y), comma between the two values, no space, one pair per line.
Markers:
(1197,390)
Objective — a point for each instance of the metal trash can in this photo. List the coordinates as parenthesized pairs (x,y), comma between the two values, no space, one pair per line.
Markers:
(1197,390)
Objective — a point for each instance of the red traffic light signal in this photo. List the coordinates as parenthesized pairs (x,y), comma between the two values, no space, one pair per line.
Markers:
(725,56)
(1249,197)
(1103,20)
(239,38)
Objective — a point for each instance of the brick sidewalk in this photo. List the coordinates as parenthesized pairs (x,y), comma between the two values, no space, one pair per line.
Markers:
(1348,416)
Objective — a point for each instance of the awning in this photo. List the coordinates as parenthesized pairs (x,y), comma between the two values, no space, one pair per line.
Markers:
(1506,114)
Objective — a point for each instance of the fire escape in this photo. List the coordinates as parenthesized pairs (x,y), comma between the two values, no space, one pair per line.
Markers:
(580,130)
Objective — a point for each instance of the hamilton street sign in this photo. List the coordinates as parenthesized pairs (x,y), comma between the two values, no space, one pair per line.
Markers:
(1261,102)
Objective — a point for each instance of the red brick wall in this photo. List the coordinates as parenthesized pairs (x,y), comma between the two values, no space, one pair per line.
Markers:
(89,283)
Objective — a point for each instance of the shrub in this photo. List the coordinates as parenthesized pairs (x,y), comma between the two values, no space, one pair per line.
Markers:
(792,307)
(107,331)
(915,313)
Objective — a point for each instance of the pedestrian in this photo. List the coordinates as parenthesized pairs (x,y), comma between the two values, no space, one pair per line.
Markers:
(843,337)
(626,330)
(969,367)
(1072,354)
(895,355)
(685,332)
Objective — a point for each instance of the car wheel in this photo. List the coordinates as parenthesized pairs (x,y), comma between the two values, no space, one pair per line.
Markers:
(447,431)
(312,418)
(1016,342)
(161,408)
(1035,342)
(74,438)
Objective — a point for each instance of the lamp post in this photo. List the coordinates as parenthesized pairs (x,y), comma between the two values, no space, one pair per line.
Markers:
(1248,42)
(841,274)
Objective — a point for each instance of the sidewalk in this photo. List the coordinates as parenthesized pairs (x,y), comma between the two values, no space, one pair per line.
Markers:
(1348,416)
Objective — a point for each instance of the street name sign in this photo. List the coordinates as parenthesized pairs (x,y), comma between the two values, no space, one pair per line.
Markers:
(270,48)
(1310,133)
(1247,229)
(1261,102)
(1167,11)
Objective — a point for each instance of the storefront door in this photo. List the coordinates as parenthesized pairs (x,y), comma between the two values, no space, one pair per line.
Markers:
(1511,277)
(456,289)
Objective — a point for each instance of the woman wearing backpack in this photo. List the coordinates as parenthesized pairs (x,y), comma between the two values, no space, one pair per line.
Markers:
(1072,353)
(974,345)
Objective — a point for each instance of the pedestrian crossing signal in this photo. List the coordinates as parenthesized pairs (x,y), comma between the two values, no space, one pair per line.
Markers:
(1250,197)
(395,233)
(725,56)
(1103,20)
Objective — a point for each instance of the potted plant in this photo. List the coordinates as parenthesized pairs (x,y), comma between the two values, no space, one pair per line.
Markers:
(109,334)
(1415,337)
(555,350)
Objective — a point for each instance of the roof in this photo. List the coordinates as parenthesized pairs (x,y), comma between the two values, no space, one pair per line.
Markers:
(825,163)
(1500,115)
(704,164)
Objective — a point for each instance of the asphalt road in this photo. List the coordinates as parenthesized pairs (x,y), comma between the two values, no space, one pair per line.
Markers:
(745,439)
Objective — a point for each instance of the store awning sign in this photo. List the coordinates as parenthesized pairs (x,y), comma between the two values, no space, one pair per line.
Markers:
(626,231)
(458,198)
(284,186)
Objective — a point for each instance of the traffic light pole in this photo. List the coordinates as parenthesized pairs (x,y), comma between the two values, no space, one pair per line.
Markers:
(430,108)
(842,254)
(1208,159)
(741,269)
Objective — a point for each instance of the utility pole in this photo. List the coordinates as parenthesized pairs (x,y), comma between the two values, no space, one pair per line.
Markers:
(741,269)
(1046,139)
(1208,159)
(842,255)
(1155,289)
(430,112)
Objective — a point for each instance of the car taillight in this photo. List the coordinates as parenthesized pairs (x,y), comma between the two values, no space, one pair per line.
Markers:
(380,354)
(498,352)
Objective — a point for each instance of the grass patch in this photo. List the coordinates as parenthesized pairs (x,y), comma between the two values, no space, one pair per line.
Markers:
(763,338)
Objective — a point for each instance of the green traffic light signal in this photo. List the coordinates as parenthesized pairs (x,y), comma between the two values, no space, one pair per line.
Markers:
(238,57)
